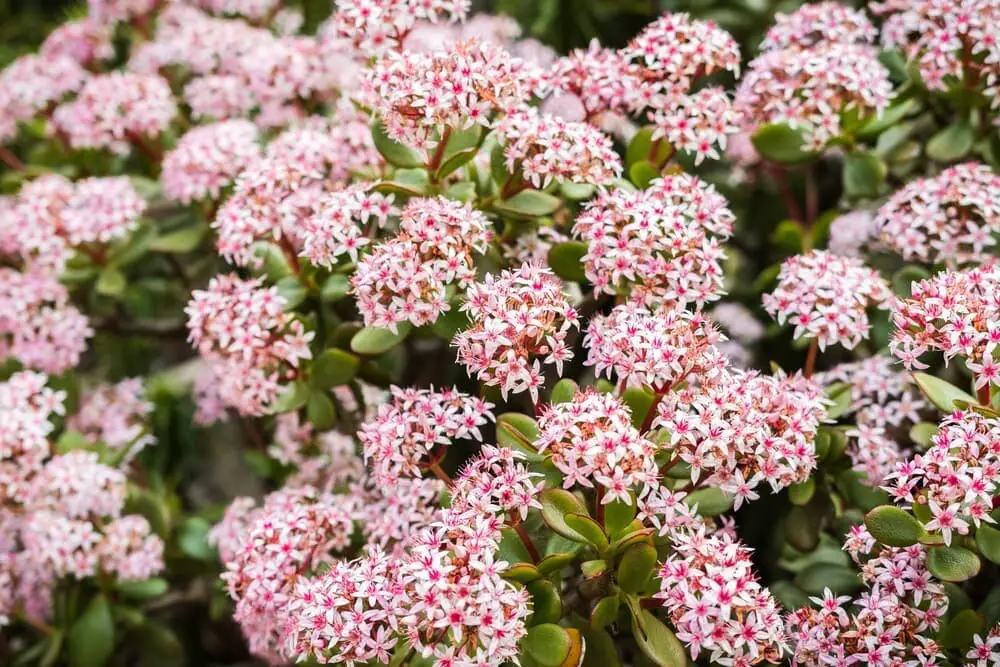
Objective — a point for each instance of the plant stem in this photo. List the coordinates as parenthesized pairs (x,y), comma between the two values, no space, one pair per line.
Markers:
(441,474)
(647,422)
(983,395)
(811,357)
(11,160)
(515,523)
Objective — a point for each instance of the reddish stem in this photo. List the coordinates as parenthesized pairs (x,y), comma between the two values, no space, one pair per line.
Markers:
(647,422)
(983,394)
(811,358)
(11,160)
(599,504)
(441,474)
(515,523)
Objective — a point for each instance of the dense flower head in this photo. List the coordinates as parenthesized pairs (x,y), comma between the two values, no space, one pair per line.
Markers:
(76,485)
(826,297)
(873,453)
(810,88)
(710,590)
(289,69)
(496,482)
(600,78)
(891,624)
(114,11)
(420,97)
(38,325)
(254,10)
(520,319)
(26,407)
(114,110)
(653,349)
(62,546)
(591,440)
(944,39)
(406,278)
(853,234)
(377,26)
(32,83)
(408,431)
(698,123)
(390,514)
(882,394)
(284,543)
(342,222)
(130,551)
(667,511)
(532,246)
(207,159)
(85,41)
(241,327)
(545,148)
(955,312)
(952,217)
(116,415)
(819,22)
(218,97)
(663,243)
(744,429)
(325,460)
(956,478)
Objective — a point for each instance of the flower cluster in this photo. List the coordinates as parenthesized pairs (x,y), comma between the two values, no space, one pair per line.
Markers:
(391,515)
(663,243)
(817,64)
(591,440)
(109,12)
(32,84)
(951,218)
(113,110)
(116,415)
(744,429)
(409,431)
(518,318)
(405,279)
(377,26)
(853,233)
(544,148)
(496,482)
(825,297)
(956,478)
(955,312)
(653,349)
(26,407)
(85,41)
(600,78)
(241,327)
(208,159)
(986,651)
(712,595)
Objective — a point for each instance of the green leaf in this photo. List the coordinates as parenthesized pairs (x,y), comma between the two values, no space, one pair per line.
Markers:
(335,288)
(802,529)
(780,143)
(556,504)
(642,173)
(838,578)
(618,517)
(498,166)
(158,646)
(577,191)
(594,568)
(887,119)
(463,191)
(952,143)
(564,391)
(902,280)
(292,397)
(566,260)
(788,237)
(637,567)
(587,527)
(959,632)
(864,174)
(518,432)
(639,401)
(548,644)
(605,612)
(192,538)
(802,493)
(923,434)
(601,650)
(840,394)
(180,241)
(988,542)
(147,188)
(373,340)
(655,639)
(91,639)
(291,289)
(511,548)
(942,394)
(789,595)
(394,152)
(143,590)
(528,204)
(554,563)
(710,501)
(642,143)
(952,563)
(333,367)
(111,282)
(894,527)
(320,411)
(546,604)
(133,248)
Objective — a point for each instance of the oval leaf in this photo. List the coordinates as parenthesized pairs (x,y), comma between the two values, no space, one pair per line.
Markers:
(942,394)
(91,639)
(952,563)
(894,527)
(373,340)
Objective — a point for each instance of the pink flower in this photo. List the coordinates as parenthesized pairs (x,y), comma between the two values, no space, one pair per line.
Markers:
(853,233)
(130,551)
(377,26)
(116,415)
(340,223)
(207,159)
(26,406)
(218,97)
(33,84)
(77,486)
(115,11)
(602,79)
(826,297)
(817,23)
(496,482)
(85,41)
(662,245)
(520,319)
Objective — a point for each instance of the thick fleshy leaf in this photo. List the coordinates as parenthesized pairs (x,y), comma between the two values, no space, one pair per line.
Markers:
(958,633)
(802,493)
(923,434)
(528,204)
(111,282)
(840,394)
(334,288)
(180,241)
(546,604)
(618,517)
(394,152)
(587,527)
(320,411)
(518,432)
(564,391)
(988,542)
(143,590)
(639,401)
(373,340)
(952,563)
(952,143)
(551,645)
(604,612)
(292,397)
(711,501)
(864,174)
(637,567)
(838,578)
(894,526)
(556,504)
(642,173)
(566,260)
(291,289)
(655,639)
(91,639)
(192,538)
(781,143)
(333,367)
(941,393)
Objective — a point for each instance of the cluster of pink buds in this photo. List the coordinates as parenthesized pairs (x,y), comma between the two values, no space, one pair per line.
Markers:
(32,84)
(947,40)
(543,148)
(208,159)
(816,64)
(421,98)
(294,534)
(744,429)
(496,482)
(77,486)
(952,217)
(600,78)
(653,349)
(411,430)
(891,624)
(591,440)
(345,221)
(406,278)
(26,407)
(116,415)
(698,123)
(826,297)
(663,244)
(241,327)
(518,318)
(377,26)
(955,312)
(709,589)
(956,478)
(116,109)
(38,325)
(85,41)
